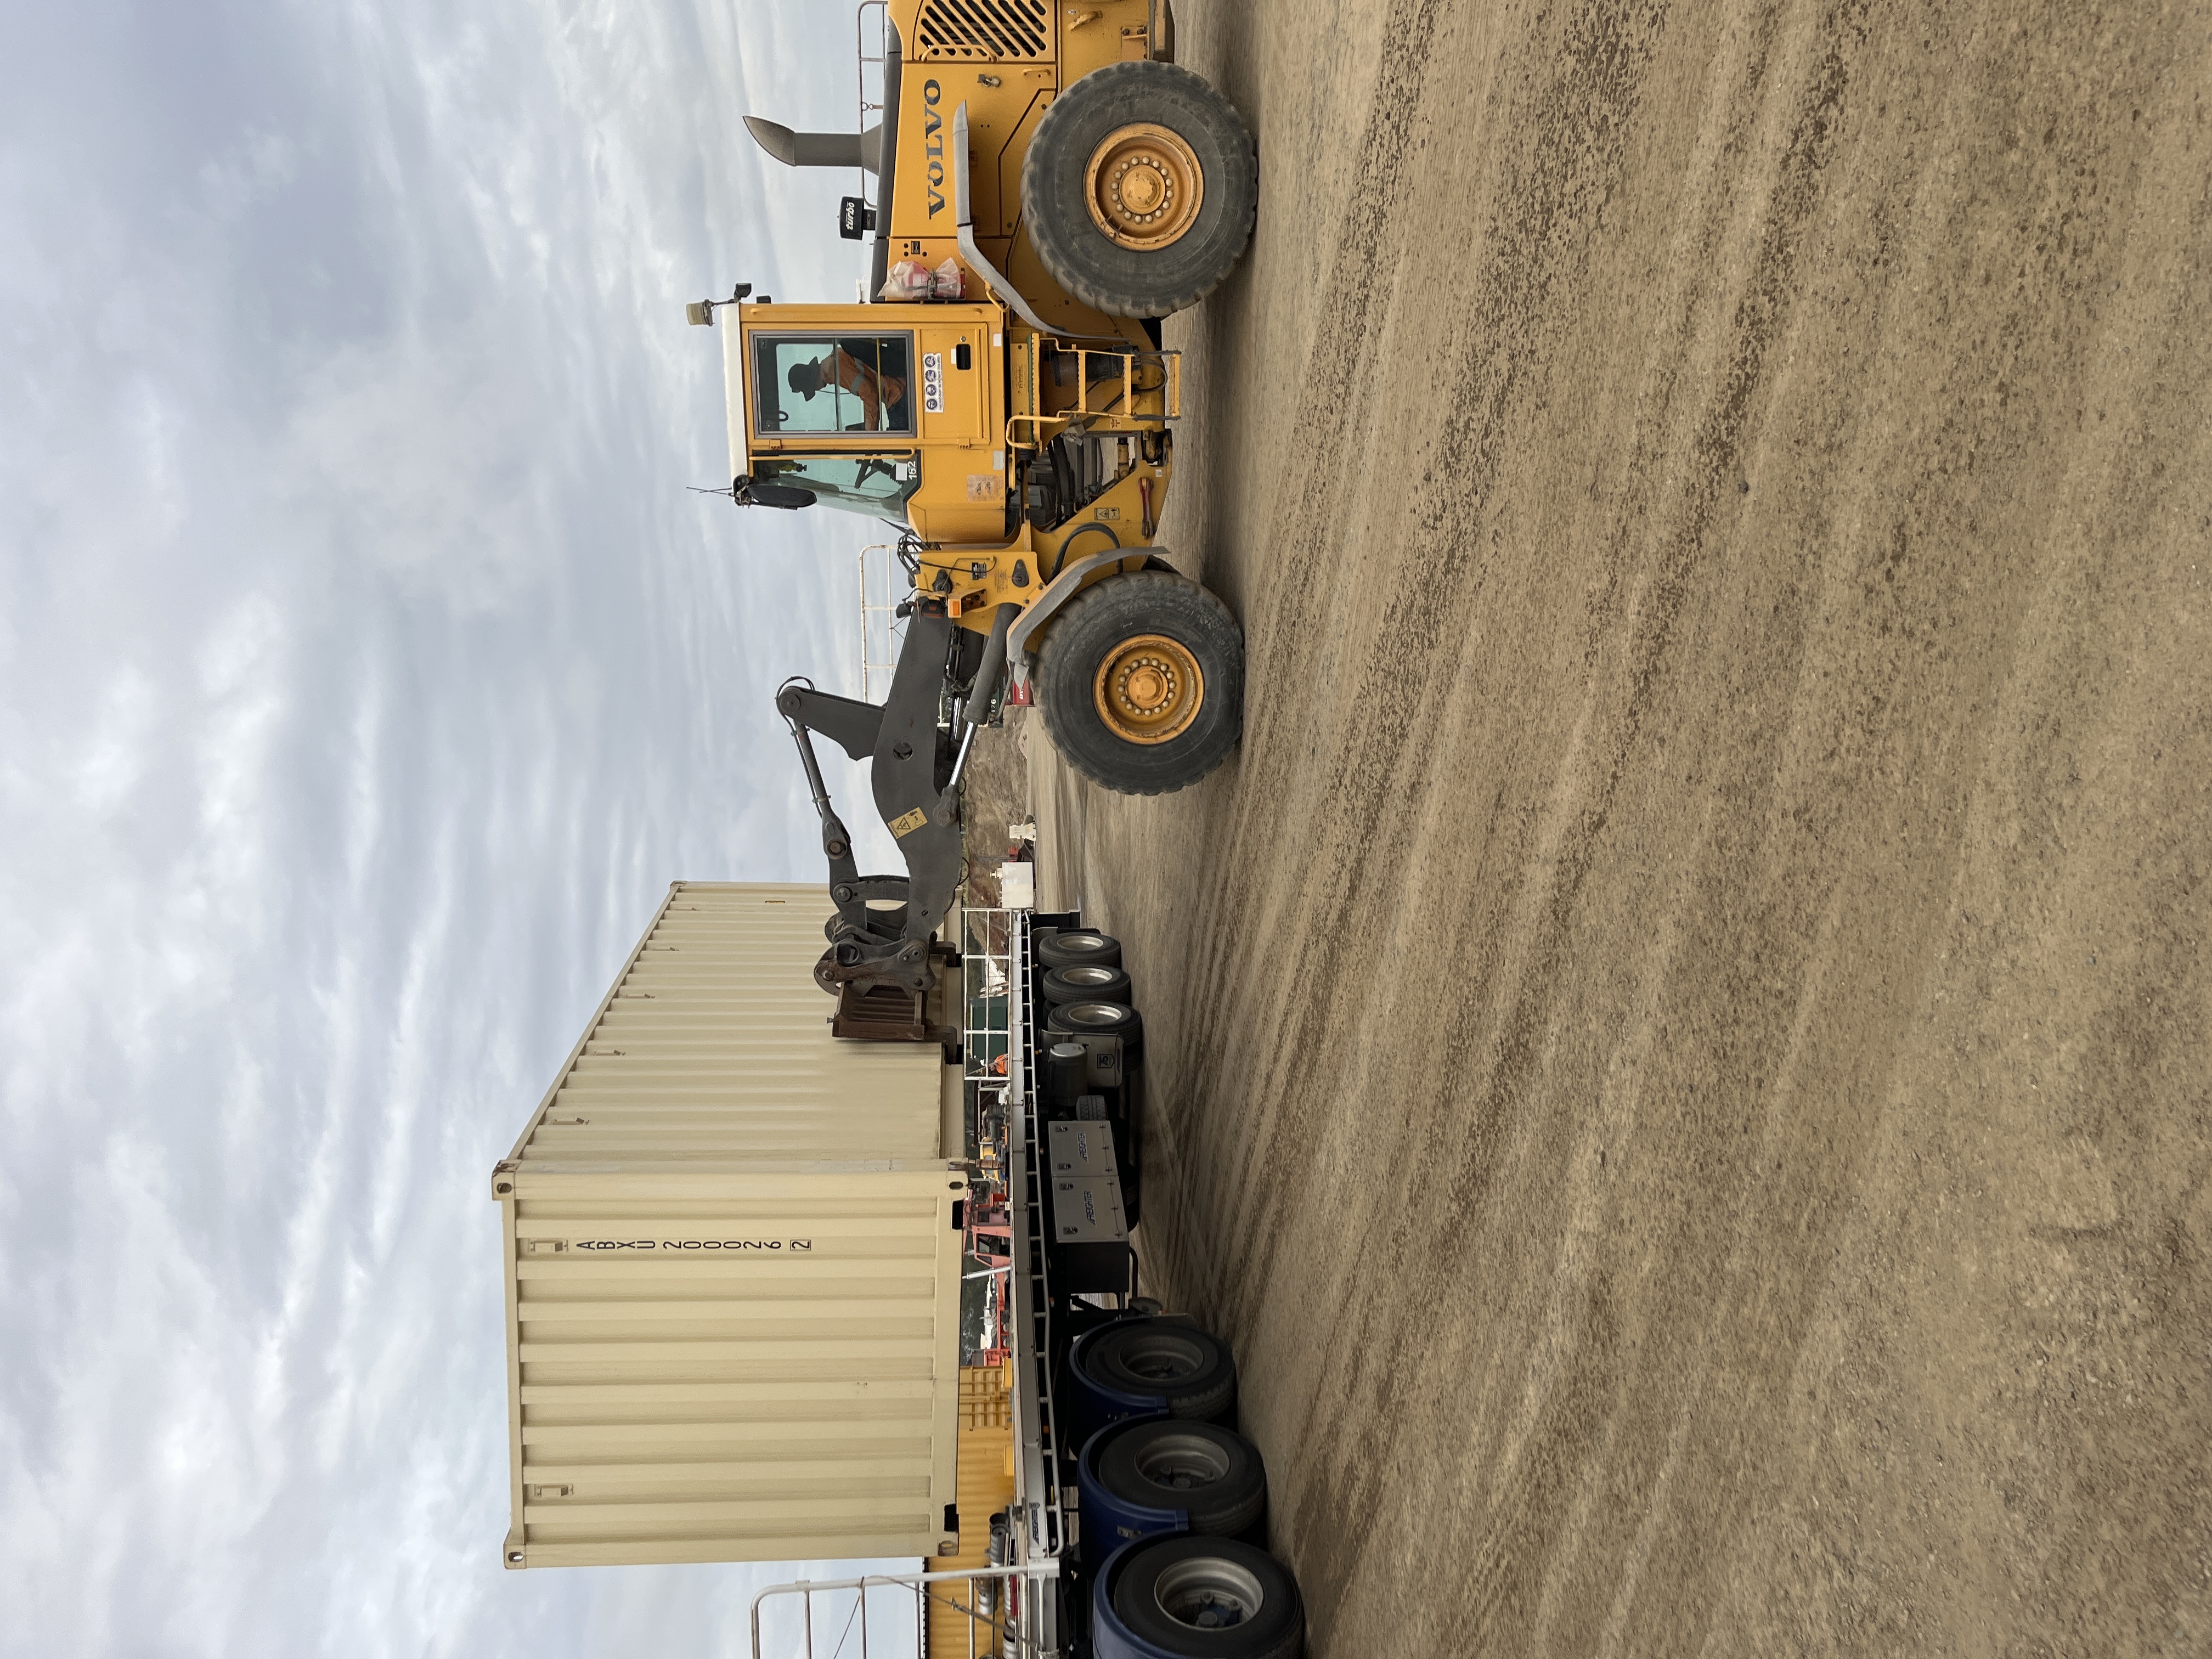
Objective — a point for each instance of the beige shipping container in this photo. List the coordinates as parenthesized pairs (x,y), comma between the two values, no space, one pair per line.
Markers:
(732,1275)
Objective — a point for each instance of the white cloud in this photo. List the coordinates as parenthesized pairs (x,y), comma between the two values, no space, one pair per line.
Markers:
(425,457)
(256,165)
(365,676)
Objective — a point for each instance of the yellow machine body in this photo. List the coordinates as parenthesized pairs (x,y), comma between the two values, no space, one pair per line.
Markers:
(986,389)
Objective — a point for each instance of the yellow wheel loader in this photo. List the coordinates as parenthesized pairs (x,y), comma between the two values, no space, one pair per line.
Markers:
(1047,183)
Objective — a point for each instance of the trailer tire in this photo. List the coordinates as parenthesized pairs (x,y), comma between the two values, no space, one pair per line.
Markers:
(1162,127)
(1152,635)
(1078,947)
(1095,1017)
(1190,1369)
(1091,1017)
(1085,981)
(1213,1474)
(1167,1586)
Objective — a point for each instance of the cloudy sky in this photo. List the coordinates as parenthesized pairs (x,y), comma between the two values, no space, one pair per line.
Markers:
(365,674)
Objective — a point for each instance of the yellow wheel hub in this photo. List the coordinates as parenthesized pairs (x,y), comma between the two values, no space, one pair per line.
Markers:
(1148,689)
(1143,186)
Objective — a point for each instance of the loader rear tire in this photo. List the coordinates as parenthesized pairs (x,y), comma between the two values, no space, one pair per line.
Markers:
(1166,241)
(1141,683)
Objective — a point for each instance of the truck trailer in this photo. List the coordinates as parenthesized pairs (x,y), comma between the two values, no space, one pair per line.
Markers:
(736,1247)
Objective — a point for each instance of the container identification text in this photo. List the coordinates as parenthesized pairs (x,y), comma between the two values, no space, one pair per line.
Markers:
(801,1244)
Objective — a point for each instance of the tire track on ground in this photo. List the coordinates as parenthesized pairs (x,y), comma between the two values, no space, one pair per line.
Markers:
(1577,121)
(1290,611)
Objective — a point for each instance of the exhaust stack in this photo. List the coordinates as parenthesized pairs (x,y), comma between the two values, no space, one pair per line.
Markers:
(818,150)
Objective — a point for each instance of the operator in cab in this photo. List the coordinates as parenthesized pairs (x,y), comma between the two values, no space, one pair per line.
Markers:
(876,389)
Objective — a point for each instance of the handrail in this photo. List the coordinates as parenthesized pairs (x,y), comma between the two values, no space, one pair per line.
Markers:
(887,59)
(864,58)
(1035,1570)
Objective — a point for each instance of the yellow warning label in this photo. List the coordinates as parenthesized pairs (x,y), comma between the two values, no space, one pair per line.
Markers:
(982,487)
(906,823)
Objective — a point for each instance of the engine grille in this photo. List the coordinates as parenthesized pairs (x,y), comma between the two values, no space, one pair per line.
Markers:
(984,31)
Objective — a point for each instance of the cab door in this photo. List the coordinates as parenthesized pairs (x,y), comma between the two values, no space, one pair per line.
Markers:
(920,384)
(959,401)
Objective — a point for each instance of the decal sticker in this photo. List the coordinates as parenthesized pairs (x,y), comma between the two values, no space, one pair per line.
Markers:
(932,131)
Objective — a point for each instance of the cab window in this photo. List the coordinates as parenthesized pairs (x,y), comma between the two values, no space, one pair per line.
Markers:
(877,485)
(832,382)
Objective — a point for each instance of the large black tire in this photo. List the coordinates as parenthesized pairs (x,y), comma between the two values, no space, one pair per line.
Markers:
(1190,1369)
(1209,1598)
(1085,982)
(1212,1474)
(1089,1019)
(1137,282)
(1098,630)
(1101,1019)
(1070,947)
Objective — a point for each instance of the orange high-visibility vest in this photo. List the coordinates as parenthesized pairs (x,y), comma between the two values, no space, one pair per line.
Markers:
(875,390)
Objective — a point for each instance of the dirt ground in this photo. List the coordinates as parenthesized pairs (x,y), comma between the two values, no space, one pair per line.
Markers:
(1679,1044)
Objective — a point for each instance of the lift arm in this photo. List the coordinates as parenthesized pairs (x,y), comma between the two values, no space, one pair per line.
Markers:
(912,780)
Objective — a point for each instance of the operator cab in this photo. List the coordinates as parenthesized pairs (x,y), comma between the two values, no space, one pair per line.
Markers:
(825,416)
(838,403)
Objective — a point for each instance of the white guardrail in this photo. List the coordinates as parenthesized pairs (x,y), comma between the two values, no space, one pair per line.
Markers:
(845,1622)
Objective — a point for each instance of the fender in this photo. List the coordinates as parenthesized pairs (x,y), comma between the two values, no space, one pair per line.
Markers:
(1062,588)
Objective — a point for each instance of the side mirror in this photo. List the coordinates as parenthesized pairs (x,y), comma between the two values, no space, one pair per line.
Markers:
(789,497)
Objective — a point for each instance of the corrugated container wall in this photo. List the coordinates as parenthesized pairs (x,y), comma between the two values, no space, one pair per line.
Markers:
(733,1278)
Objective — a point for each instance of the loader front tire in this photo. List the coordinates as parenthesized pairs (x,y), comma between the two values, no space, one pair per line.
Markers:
(1139,189)
(1141,683)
